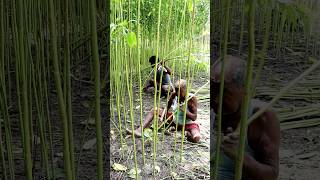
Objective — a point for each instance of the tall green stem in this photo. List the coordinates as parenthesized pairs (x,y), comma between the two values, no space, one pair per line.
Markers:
(248,86)
(188,78)
(155,117)
(61,102)
(140,82)
(221,88)
(264,49)
(95,58)
(67,85)
(25,100)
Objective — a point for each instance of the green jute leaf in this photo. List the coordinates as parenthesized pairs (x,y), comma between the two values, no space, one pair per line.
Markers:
(148,133)
(132,39)
(190,6)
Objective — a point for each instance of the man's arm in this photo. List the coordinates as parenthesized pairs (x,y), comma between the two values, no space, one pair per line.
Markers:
(170,101)
(265,165)
(267,150)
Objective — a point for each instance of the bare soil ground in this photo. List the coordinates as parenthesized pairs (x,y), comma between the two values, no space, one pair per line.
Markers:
(83,110)
(300,154)
(299,148)
(195,157)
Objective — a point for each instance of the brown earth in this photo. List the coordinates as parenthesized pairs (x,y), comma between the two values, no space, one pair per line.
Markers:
(195,163)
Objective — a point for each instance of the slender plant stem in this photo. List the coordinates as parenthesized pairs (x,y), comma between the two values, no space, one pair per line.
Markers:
(140,82)
(94,48)
(61,102)
(248,86)
(67,85)
(222,76)
(25,103)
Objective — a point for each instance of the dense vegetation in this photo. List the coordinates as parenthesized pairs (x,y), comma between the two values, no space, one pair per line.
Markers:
(171,30)
(44,47)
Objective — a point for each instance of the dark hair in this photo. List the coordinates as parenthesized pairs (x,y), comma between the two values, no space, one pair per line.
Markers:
(152,60)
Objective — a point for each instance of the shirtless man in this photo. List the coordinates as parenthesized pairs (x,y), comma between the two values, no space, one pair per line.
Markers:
(176,115)
(261,158)
(166,82)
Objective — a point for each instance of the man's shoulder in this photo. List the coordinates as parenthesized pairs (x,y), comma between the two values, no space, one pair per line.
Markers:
(268,115)
(192,97)
(267,123)
(192,100)
(258,104)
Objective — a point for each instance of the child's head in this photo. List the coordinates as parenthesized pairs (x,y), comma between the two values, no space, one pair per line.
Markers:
(182,86)
(152,60)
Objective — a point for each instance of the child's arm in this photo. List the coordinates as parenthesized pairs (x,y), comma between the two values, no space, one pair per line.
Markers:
(192,105)
(170,101)
(168,69)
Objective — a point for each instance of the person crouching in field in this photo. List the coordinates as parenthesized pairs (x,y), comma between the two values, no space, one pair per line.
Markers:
(176,115)
(261,157)
(166,84)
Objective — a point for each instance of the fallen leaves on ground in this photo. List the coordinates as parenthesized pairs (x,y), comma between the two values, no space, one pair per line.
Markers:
(132,173)
(119,167)
(89,144)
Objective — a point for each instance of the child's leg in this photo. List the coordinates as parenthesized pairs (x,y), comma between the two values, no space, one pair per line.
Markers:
(146,123)
(193,133)
(149,85)
(164,90)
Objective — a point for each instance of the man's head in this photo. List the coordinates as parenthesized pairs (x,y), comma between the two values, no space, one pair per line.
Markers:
(182,86)
(152,60)
(235,72)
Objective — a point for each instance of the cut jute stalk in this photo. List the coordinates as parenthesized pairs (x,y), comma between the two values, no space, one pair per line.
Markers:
(281,93)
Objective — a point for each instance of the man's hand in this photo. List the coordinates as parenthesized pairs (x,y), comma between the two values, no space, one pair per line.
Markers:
(181,108)
(229,143)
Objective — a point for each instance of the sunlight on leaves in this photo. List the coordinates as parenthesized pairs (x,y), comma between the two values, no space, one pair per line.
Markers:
(131,39)
(190,6)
